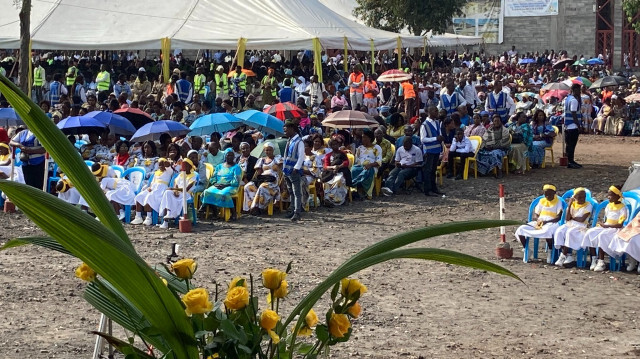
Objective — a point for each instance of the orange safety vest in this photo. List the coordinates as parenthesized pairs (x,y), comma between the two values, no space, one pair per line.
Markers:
(356,78)
(370,85)
(408,91)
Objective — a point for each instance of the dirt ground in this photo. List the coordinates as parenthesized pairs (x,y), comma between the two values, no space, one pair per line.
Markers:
(413,308)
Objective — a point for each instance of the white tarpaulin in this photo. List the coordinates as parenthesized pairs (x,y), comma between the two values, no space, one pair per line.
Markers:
(195,24)
(514,8)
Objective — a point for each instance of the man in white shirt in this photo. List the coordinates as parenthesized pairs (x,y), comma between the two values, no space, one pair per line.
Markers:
(408,160)
(461,148)
(470,93)
(450,98)
(500,102)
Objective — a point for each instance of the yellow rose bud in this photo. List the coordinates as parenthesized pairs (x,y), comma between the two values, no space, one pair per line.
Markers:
(339,325)
(354,310)
(351,286)
(269,319)
(237,298)
(311,319)
(272,278)
(85,273)
(234,282)
(282,291)
(304,331)
(197,301)
(184,268)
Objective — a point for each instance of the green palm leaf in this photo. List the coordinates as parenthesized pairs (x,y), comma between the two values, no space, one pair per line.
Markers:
(45,242)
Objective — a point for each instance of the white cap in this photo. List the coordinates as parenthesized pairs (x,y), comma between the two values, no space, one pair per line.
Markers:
(219,68)
(142,69)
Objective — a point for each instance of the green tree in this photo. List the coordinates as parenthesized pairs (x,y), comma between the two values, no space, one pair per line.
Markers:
(631,9)
(419,16)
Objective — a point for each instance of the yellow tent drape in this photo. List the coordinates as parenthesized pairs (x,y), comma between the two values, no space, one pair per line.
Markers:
(399,53)
(373,56)
(346,55)
(242,45)
(424,46)
(165,45)
(30,77)
(317,58)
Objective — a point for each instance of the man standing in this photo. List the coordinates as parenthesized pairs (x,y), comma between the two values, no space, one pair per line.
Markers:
(293,161)
(431,137)
(222,83)
(238,87)
(356,86)
(103,81)
(572,124)
(315,90)
(450,99)
(39,80)
(409,95)
(72,72)
(269,87)
(199,80)
(184,89)
(371,96)
(500,102)
(56,89)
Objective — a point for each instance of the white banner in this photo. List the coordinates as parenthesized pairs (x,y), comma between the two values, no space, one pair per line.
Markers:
(481,18)
(513,8)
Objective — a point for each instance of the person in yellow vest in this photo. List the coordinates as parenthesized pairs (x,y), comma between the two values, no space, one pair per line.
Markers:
(409,94)
(72,72)
(269,87)
(199,80)
(238,87)
(222,83)
(356,86)
(103,83)
(39,80)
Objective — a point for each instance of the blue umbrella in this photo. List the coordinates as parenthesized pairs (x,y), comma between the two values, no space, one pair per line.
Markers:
(116,123)
(215,122)
(595,61)
(526,61)
(9,118)
(77,124)
(153,130)
(262,122)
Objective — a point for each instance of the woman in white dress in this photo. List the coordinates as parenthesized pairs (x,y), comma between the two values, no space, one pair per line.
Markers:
(310,169)
(570,235)
(627,240)
(171,204)
(67,192)
(615,214)
(265,186)
(5,165)
(120,192)
(545,218)
(151,196)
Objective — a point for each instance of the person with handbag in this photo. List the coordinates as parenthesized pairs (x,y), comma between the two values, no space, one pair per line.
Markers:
(264,187)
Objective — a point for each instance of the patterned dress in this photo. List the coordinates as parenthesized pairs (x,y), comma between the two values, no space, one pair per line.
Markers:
(223,174)
(364,177)
(260,196)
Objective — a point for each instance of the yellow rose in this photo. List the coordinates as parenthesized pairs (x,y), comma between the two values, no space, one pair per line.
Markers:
(234,282)
(339,325)
(237,298)
(184,268)
(350,286)
(197,301)
(355,310)
(282,291)
(311,320)
(272,278)
(85,273)
(268,320)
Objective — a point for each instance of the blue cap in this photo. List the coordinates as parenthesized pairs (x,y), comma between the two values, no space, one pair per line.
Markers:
(482,113)
(384,108)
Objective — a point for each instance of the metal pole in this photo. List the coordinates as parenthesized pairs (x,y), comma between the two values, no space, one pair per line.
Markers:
(502,213)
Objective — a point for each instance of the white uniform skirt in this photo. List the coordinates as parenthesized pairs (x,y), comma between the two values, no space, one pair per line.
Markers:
(72,196)
(152,198)
(172,204)
(570,235)
(618,246)
(124,192)
(530,230)
(18,176)
(599,237)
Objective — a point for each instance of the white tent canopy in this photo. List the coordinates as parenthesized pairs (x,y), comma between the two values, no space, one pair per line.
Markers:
(198,24)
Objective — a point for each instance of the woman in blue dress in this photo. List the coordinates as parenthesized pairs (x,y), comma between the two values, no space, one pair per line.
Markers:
(224,184)
(543,135)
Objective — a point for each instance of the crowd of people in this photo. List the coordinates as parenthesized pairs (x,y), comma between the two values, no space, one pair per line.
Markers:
(452,106)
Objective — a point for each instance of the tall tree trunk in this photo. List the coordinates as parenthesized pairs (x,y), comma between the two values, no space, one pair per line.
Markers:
(25,37)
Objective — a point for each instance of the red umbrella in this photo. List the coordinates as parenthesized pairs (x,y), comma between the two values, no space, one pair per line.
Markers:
(284,111)
(137,117)
(559,94)
(394,76)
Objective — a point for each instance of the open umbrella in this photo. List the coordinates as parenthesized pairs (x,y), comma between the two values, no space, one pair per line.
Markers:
(529,95)
(559,94)
(609,81)
(215,122)
(556,86)
(247,72)
(262,121)
(285,110)
(562,63)
(9,118)
(116,123)
(152,131)
(526,61)
(633,98)
(77,124)
(137,117)
(350,119)
(279,145)
(578,80)
(394,76)
(579,63)
(595,61)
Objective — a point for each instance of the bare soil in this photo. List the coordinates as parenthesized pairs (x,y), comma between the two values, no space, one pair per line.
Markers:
(413,308)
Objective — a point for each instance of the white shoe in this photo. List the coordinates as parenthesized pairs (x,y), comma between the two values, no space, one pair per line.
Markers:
(632,265)
(165,225)
(121,216)
(168,216)
(560,260)
(137,220)
(594,261)
(147,221)
(600,267)
(568,260)
(386,191)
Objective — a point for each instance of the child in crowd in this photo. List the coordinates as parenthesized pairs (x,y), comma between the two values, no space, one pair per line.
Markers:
(570,235)
(627,240)
(68,193)
(545,219)
(171,204)
(615,214)
(461,148)
(151,196)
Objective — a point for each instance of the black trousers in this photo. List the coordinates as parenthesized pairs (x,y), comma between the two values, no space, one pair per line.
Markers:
(238,102)
(571,140)
(460,166)
(33,175)
(429,168)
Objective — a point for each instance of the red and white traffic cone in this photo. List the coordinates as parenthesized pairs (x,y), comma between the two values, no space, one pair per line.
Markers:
(503,250)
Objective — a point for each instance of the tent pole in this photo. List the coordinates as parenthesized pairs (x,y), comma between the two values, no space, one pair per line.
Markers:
(346,56)
(373,55)
(399,44)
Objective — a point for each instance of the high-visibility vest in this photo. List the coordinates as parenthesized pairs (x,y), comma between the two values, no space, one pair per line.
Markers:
(198,83)
(274,85)
(54,93)
(356,78)
(499,104)
(71,79)
(370,85)
(568,115)
(242,83)
(408,91)
(37,76)
(106,81)
(224,79)
(423,66)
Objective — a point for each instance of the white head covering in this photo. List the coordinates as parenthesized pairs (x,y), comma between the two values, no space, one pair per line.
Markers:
(268,144)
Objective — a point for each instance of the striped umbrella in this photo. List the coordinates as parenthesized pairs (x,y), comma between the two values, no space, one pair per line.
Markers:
(394,76)
(284,111)
(350,119)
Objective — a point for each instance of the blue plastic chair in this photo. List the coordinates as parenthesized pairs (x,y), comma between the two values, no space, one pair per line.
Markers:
(53,179)
(17,159)
(536,241)
(136,176)
(119,170)
(615,264)
(88,163)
